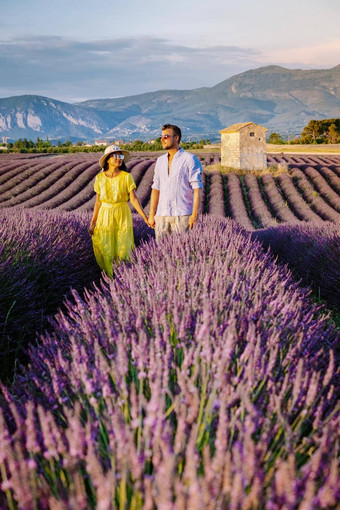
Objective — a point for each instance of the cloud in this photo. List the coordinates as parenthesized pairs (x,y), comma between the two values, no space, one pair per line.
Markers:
(66,70)
(328,53)
(72,71)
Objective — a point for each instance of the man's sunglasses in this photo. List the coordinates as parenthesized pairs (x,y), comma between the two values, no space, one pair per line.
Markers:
(166,136)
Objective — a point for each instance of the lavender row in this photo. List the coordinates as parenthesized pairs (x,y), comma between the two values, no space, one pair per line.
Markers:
(297,204)
(200,377)
(319,206)
(312,251)
(67,190)
(264,207)
(274,197)
(258,206)
(43,255)
(336,169)
(237,206)
(216,195)
(87,205)
(144,188)
(16,166)
(323,160)
(330,160)
(302,159)
(204,195)
(55,195)
(331,177)
(43,186)
(10,168)
(84,199)
(85,185)
(274,159)
(31,169)
(322,186)
(21,175)
(138,170)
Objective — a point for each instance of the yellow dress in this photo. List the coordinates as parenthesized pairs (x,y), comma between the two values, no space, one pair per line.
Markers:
(113,234)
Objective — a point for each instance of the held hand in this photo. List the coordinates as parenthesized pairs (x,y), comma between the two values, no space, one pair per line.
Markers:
(90,230)
(192,220)
(146,221)
(151,221)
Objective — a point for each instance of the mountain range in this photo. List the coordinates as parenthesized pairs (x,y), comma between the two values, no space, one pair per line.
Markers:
(283,100)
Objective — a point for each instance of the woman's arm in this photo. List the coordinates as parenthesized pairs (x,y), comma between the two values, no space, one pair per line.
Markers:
(96,208)
(137,205)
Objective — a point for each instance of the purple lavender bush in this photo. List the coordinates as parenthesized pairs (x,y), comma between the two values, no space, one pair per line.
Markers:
(237,206)
(279,206)
(43,255)
(312,252)
(216,204)
(296,202)
(314,200)
(200,377)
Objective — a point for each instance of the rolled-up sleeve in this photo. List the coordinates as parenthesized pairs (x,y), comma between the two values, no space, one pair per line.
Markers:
(195,174)
(156,180)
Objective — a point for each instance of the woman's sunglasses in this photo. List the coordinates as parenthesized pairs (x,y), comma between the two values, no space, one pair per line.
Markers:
(117,156)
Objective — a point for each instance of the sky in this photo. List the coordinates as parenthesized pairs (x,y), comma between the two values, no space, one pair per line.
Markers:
(74,50)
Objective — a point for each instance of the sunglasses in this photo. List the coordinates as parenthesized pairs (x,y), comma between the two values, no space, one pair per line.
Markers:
(166,136)
(116,156)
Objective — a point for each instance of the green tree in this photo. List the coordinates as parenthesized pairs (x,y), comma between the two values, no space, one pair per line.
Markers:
(312,131)
(333,135)
(275,138)
(321,131)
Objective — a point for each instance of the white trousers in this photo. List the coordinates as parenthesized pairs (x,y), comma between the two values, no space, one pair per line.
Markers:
(168,224)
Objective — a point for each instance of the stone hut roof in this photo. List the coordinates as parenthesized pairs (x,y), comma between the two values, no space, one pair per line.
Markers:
(234,128)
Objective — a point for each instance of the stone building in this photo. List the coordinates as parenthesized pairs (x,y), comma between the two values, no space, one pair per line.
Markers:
(243,146)
(101,142)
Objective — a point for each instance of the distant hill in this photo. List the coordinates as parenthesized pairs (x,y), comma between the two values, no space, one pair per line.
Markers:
(283,100)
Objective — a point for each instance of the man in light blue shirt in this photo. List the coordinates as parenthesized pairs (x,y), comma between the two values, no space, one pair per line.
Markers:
(175,195)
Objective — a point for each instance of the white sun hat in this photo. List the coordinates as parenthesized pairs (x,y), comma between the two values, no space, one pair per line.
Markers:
(111,149)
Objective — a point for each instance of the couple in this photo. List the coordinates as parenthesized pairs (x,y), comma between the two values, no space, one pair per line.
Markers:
(175,198)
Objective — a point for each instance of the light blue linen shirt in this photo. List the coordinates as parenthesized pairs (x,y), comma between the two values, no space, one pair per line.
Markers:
(176,187)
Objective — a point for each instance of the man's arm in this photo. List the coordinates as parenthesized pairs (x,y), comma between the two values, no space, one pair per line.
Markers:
(195,180)
(153,206)
(196,202)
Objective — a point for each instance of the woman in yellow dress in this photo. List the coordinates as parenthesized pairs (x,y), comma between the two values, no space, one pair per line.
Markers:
(111,224)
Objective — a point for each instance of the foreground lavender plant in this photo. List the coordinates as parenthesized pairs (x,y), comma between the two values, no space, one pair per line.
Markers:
(42,256)
(198,378)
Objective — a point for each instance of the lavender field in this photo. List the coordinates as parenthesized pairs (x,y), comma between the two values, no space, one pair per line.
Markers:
(203,376)
(310,192)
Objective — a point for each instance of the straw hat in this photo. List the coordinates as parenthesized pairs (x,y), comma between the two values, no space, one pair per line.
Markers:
(111,149)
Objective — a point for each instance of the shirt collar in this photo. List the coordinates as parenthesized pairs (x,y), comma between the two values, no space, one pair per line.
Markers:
(180,150)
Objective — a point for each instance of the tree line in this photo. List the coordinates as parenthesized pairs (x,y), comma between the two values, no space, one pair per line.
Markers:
(316,132)
(45,146)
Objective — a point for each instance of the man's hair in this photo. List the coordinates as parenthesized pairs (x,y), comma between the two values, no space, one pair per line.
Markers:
(176,130)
